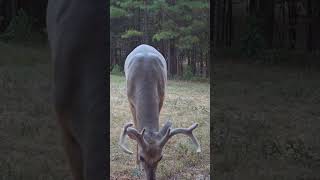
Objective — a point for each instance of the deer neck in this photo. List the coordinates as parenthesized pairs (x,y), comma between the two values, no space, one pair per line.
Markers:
(147,115)
(146,105)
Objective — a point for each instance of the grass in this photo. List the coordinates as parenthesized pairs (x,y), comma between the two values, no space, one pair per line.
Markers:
(185,103)
(266,122)
(30,141)
(19,55)
(29,138)
(265,119)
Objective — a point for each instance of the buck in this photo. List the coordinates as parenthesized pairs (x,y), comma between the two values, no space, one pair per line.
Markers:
(77,34)
(146,78)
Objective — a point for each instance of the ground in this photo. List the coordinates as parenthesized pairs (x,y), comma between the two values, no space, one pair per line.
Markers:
(184,104)
(266,122)
(30,141)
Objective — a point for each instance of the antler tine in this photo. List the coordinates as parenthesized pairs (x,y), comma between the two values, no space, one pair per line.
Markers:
(186,131)
(165,127)
(142,131)
(133,133)
(122,141)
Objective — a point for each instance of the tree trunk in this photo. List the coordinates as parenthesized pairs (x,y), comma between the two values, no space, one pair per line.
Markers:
(172,57)
(168,59)
(8,11)
(145,24)
(207,65)
(267,15)
(309,30)
(189,58)
(223,23)
(14,8)
(292,23)
(284,21)
(193,61)
(316,24)
(181,63)
(201,63)
(228,21)
(213,28)
(218,23)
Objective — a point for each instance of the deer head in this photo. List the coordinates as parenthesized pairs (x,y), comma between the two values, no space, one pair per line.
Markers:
(151,144)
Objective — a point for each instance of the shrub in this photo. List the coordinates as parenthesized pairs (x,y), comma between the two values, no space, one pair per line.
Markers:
(187,73)
(19,29)
(252,40)
(116,70)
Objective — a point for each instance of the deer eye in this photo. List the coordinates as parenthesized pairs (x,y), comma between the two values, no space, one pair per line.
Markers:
(141,159)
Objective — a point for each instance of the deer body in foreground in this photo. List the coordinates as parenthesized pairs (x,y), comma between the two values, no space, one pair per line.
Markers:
(146,78)
(78,43)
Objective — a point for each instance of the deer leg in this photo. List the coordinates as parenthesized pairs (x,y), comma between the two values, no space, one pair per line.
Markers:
(161,103)
(72,149)
(93,120)
(74,153)
(95,154)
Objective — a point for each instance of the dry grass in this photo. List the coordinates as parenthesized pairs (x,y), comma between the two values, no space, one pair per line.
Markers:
(185,103)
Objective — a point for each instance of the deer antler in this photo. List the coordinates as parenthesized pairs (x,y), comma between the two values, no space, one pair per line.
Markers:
(133,134)
(122,141)
(186,131)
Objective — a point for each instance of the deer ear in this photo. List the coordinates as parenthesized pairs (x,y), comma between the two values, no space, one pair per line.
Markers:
(135,135)
(132,133)
(165,127)
(132,136)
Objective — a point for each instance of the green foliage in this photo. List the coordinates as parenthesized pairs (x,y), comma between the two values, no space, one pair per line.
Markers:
(19,29)
(130,4)
(158,6)
(179,20)
(186,22)
(187,73)
(116,70)
(187,42)
(169,24)
(164,35)
(252,41)
(116,12)
(131,33)
(191,4)
(187,17)
(198,25)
